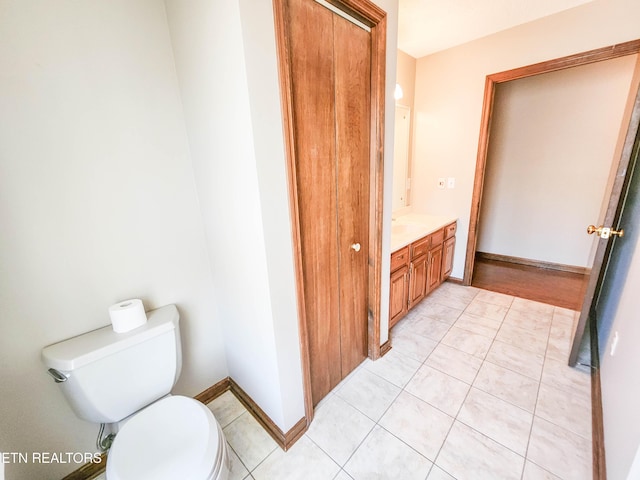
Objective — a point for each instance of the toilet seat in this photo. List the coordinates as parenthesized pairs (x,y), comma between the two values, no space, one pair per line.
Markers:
(176,437)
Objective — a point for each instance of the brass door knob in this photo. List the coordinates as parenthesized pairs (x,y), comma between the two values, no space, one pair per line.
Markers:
(604,232)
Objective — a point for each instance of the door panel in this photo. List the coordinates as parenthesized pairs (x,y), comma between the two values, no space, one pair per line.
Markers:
(331,74)
(313,103)
(418,279)
(619,258)
(613,210)
(434,268)
(447,262)
(352,74)
(398,297)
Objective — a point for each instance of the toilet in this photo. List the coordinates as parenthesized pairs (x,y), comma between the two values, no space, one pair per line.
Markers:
(123,380)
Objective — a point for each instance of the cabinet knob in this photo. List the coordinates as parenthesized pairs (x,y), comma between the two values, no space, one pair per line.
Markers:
(355,246)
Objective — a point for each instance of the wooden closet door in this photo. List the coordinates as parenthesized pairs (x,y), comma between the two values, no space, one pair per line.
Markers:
(314,113)
(352,65)
(330,94)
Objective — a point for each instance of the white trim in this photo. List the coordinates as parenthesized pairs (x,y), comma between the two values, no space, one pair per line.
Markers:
(343,14)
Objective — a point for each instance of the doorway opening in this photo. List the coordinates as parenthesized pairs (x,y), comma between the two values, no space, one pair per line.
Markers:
(501,246)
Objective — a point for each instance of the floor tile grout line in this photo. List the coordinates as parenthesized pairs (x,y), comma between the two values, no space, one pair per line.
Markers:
(538,381)
(401,440)
(524,461)
(533,420)
(455,418)
(491,438)
(424,336)
(376,422)
(444,440)
(535,407)
(262,461)
(513,370)
(545,469)
(239,459)
(484,360)
(246,412)
(410,378)
(385,411)
(340,467)
(433,462)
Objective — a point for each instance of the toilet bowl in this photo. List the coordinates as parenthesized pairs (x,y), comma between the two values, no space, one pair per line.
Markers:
(175,438)
(124,380)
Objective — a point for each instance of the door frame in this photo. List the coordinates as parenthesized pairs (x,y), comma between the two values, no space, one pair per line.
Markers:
(376,19)
(584,58)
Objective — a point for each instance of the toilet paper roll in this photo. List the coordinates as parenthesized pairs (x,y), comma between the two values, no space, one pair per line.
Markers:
(127,315)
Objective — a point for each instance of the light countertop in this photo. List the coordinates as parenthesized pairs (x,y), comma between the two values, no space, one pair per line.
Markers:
(406,229)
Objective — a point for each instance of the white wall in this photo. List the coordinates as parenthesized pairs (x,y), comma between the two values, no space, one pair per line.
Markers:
(552,144)
(226,61)
(97,204)
(450,87)
(229,86)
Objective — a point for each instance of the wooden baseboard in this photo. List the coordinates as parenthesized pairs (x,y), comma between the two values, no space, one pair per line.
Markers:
(597,417)
(88,471)
(455,280)
(385,347)
(284,440)
(214,391)
(597,427)
(532,263)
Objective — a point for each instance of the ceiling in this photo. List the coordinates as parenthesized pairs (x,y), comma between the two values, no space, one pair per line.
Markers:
(428,26)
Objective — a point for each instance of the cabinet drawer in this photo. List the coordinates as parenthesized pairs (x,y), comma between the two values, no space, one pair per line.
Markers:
(420,247)
(437,237)
(399,258)
(450,230)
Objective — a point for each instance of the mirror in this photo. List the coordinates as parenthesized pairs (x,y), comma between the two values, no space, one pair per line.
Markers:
(401,180)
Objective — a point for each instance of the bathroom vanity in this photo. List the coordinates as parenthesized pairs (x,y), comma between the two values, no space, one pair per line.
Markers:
(422,249)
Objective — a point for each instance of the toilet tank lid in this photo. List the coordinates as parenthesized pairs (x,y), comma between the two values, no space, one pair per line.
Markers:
(76,352)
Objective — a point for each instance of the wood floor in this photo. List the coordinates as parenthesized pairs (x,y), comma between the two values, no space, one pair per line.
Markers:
(562,289)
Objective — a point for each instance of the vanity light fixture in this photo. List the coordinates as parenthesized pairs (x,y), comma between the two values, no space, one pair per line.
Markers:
(398,94)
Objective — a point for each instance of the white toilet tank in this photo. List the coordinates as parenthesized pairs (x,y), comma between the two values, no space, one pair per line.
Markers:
(107,376)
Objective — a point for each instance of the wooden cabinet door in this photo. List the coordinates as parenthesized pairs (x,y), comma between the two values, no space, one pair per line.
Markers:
(447,257)
(434,268)
(330,64)
(399,295)
(418,280)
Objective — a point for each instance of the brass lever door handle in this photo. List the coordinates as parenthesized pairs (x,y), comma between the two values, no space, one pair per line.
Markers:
(604,232)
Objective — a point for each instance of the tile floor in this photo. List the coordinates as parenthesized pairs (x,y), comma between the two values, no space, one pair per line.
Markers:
(475,387)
